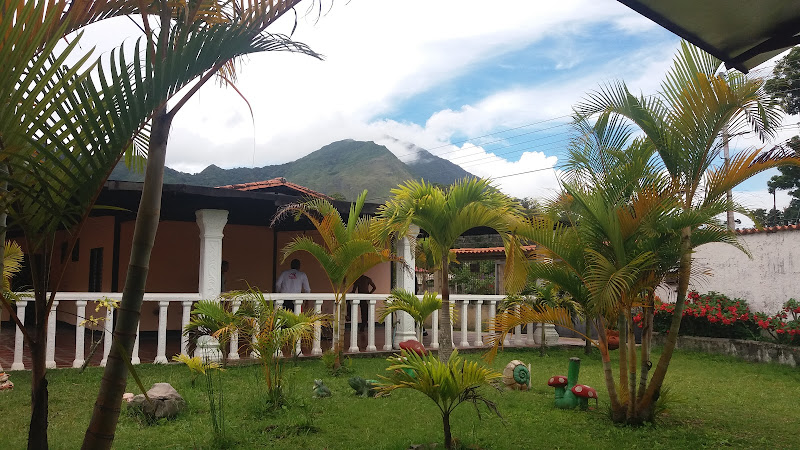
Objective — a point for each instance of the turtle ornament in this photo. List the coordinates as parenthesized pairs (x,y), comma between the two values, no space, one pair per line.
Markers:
(517,375)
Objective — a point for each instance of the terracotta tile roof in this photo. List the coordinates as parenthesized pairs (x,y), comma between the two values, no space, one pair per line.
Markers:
(488,251)
(767,229)
(275,183)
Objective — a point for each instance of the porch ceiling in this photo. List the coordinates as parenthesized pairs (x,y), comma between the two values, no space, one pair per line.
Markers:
(179,203)
(742,33)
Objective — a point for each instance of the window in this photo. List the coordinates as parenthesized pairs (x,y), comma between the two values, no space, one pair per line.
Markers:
(96,269)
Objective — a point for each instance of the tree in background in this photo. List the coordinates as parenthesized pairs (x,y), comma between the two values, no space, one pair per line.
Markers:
(445,214)
(784,86)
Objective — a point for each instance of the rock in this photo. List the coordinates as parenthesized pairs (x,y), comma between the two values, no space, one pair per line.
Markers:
(164,402)
(5,383)
(128,396)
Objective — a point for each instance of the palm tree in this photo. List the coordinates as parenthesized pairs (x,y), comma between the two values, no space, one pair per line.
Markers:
(683,124)
(446,214)
(448,384)
(266,328)
(418,309)
(347,252)
(195,42)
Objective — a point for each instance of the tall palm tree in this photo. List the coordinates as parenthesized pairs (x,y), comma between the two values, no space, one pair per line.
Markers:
(683,124)
(446,214)
(348,250)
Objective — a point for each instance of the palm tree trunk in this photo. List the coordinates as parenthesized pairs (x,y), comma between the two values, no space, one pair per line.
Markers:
(587,347)
(647,337)
(631,345)
(617,414)
(623,358)
(37,430)
(445,321)
(684,271)
(448,438)
(100,433)
(341,318)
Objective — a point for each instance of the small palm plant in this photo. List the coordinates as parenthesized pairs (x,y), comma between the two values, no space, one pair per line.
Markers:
(418,309)
(448,384)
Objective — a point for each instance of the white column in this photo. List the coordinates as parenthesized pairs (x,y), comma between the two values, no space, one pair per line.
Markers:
(135,353)
(316,348)
(405,248)
(19,339)
(80,333)
(465,323)
(187,315)
(435,330)
(387,333)
(298,308)
(519,339)
(478,324)
(161,352)
(371,327)
(233,354)
(211,223)
(108,326)
(354,326)
(50,351)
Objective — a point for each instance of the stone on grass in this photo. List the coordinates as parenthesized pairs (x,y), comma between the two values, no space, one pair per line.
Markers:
(165,402)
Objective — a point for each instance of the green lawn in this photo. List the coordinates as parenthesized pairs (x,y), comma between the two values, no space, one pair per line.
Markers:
(713,402)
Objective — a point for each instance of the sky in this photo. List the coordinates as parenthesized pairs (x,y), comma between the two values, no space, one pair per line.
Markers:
(489,86)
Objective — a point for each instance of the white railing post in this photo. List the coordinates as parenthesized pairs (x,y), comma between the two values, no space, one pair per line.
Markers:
(530,339)
(80,333)
(478,324)
(108,326)
(492,314)
(50,350)
(519,339)
(464,323)
(187,315)
(435,329)
(353,326)
(316,348)
(298,308)
(161,352)
(404,279)
(135,353)
(387,333)
(371,327)
(233,353)
(19,339)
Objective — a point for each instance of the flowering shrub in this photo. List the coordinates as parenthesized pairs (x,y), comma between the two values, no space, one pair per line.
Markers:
(708,315)
(715,315)
(782,329)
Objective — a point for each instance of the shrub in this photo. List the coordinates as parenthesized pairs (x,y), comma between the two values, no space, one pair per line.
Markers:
(779,326)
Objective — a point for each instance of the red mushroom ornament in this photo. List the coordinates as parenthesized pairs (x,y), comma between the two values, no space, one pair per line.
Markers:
(584,393)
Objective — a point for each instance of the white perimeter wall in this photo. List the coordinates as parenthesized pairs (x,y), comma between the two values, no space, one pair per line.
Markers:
(766,281)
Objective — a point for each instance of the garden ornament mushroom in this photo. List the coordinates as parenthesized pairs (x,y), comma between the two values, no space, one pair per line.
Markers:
(564,395)
(584,393)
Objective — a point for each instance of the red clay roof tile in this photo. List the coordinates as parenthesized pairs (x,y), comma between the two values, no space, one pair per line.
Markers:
(768,229)
(275,182)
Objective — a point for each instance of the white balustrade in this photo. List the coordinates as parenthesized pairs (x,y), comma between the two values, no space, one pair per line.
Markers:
(478,324)
(464,323)
(108,326)
(353,326)
(233,353)
(492,315)
(50,350)
(82,299)
(187,315)
(298,308)
(519,339)
(80,333)
(135,353)
(161,348)
(316,348)
(371,326)
(19,339)
(435,330)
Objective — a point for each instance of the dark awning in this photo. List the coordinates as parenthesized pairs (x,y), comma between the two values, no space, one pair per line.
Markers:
(742,33)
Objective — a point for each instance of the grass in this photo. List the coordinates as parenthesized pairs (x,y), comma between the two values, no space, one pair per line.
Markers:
(713,402)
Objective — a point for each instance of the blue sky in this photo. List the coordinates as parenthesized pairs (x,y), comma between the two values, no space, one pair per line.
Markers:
(486,87)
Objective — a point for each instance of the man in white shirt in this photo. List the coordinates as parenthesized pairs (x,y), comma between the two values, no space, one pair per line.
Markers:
(292,281)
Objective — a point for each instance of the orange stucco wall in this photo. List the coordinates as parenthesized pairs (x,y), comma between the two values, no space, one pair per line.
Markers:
(248,250)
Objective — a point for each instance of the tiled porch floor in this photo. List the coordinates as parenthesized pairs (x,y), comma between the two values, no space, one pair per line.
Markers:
(65,344)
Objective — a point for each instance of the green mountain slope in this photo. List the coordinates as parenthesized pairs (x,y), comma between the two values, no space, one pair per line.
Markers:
(345,167)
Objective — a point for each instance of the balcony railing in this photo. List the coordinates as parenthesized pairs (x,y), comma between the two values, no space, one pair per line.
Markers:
(473,314)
